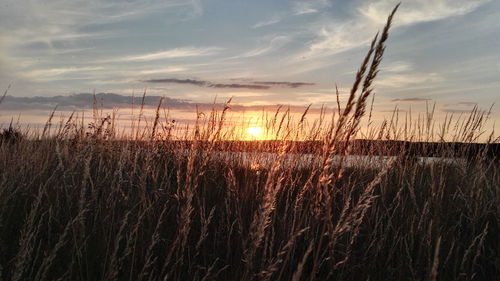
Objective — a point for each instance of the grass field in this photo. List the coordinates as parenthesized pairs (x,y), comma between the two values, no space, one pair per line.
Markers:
(79,203)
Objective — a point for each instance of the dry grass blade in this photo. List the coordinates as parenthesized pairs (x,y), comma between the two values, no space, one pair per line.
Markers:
(157,119)
(367,90)
(4,94)
(435,263)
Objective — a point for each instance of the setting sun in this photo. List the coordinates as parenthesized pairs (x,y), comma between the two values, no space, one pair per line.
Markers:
(255,132)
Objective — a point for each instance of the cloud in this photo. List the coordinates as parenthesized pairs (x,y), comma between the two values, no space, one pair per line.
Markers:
(50,20)
(197,7)
(170,54)
(419,10)
(276,43)
(201,83)
(305,7)
(285,83)
(117,101)
(298,8)
(85,100)
(256,85)
(164,70)
(338,37)
(398,66)
(271,21)
(52,74)
(403,80)
(467,103)
(239,86)
(461,107)
(178,81)
(59,35)
(393,110)
(458,110)
(333,35)
(410,100)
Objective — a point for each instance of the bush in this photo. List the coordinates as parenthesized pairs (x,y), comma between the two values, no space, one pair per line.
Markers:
(10,135)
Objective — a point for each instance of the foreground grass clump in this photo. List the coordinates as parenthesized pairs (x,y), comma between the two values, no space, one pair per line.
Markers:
(83,204)
(97,210)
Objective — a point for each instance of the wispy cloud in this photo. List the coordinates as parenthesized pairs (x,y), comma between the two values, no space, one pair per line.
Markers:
(457,110)
(467,103)
(169,69)
(302,7)
(51,74)
(461,107)
(334,36)
(410,100)
(338,37)
(51,20)
(298,8)
(305,7)
(419,10)
(406,79)
(398,66)
(275,44)
(170,54)
(275,19)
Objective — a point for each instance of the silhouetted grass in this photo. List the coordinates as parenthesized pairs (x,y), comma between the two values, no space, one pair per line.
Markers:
(82,204)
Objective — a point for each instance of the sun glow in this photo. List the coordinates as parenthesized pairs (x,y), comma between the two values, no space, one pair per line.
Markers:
(255,132)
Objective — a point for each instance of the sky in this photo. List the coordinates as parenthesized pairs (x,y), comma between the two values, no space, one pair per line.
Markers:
(259,52)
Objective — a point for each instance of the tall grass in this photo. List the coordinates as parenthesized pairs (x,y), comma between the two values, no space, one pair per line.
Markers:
(82,203)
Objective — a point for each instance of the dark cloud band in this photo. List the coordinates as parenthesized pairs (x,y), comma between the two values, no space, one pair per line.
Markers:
(257,85)
(116,101)
(202,83)
(284,83)
(179,81)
